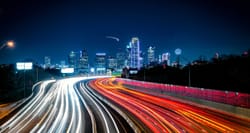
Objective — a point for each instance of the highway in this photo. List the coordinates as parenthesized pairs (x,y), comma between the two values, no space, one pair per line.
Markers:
(97,104)
(166,115)
(64,106)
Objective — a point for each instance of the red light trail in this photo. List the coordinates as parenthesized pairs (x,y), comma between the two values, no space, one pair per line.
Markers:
(165,115)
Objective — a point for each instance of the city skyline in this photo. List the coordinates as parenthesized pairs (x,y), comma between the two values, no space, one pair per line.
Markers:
(50,28)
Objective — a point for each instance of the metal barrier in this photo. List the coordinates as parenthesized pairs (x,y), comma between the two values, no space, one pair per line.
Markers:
(227,97)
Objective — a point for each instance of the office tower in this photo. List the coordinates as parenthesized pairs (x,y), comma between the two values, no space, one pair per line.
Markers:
(100,63)
(62,64)
(134,53)
(121,57)
(127,55)
(84,62)
(112,63)
(151,54)
(159,59)
(166,58)
(72,59)
(47,61)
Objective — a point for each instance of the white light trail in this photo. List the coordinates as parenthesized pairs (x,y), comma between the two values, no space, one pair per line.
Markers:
(59,108)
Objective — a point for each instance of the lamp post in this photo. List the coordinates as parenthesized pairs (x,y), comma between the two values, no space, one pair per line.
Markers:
(189,74)
(178,52)
(24,66)
(9,44)
(189,71)
(24,84)
(144,72)
(144,76)
(37,74)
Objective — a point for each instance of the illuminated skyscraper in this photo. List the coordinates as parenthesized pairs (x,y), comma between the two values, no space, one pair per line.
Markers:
(166,58)
(84,61)
(151,54)
(134,55)
(47,61)
(72,59)
(100,63)
(121,57)
(112,63)
(62,64)
(128,56)
(159,59)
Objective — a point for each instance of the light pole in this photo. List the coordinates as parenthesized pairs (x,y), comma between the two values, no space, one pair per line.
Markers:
(144,73)
(24,66)
(144,76)
(37,72)
(24,82)
(9,44)
(189,71)
(178,52)
(189,74)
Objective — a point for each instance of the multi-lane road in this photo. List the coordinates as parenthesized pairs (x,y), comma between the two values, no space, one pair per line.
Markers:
(94,104)
(64,106)
(166,115)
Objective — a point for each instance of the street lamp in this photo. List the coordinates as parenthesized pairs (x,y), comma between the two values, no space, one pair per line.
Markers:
(189,74)
(189,71)
(24,66)
(9,44)
(178,52)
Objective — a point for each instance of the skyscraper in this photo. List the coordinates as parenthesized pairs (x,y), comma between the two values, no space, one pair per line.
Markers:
(151,54)
(62,64)
(166,58)
(121,57)
(134,57)
(72,59)
(159,58)
(128,55)
(47,61)
(112,63)
(100,63)
(84,62)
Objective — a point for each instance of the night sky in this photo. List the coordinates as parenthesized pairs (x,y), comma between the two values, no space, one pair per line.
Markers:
(54,28)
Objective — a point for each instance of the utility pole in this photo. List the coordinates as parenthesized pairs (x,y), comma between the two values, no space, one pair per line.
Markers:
(144,76)
(23,66)
(189,71)
(24,85)
(37,74)
(189,74)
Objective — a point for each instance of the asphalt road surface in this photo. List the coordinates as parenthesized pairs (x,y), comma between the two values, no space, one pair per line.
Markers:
(96,104)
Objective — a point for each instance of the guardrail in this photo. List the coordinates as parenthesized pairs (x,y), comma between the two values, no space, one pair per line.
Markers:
(227,97)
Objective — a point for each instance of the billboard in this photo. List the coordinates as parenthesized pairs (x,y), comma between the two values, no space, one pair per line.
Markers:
(24,65)
(133,71)
(67,70)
